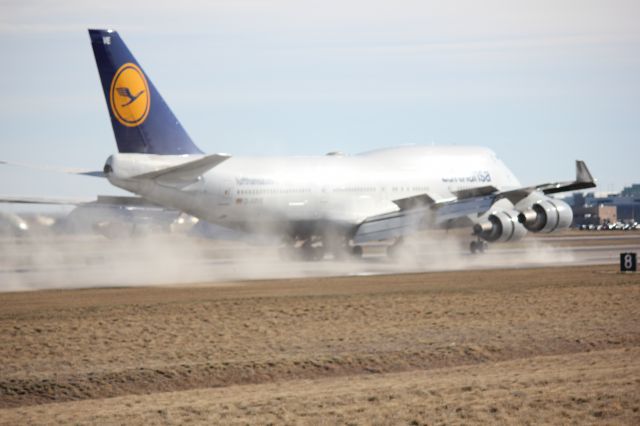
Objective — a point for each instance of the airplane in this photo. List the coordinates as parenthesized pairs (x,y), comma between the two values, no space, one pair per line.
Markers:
(332,203)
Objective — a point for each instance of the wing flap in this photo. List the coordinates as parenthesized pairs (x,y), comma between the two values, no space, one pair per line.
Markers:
(389,226)
(404,222)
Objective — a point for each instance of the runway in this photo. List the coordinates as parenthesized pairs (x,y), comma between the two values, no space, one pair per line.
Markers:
(94,261)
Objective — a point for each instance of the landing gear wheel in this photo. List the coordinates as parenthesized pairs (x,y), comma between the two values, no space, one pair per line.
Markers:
(310,252)
(356,252)
(478,246)
(473,247)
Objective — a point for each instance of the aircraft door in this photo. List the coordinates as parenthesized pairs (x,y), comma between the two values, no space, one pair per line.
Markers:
(218,192)
(224,192)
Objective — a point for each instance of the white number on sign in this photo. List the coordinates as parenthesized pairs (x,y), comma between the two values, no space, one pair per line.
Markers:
(628,261)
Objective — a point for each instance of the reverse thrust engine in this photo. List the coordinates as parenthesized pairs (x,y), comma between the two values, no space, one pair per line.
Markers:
(546,215)
(500,226)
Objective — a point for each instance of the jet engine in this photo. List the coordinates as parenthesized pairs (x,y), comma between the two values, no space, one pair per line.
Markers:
(500,226)
(546,215)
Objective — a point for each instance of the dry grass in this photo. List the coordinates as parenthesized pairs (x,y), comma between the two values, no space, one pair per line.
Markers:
(555,345)
(593,387)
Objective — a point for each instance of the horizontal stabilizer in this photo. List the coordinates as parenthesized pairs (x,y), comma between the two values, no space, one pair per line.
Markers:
(186,172)
(110,200)
(44,200)
(72,171)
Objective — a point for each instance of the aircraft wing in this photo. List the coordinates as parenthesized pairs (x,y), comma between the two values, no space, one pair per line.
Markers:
(584,180)
(424,210)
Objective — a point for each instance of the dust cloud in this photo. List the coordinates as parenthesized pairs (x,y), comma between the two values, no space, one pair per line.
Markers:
(82,261)
(449,251)
(51,261)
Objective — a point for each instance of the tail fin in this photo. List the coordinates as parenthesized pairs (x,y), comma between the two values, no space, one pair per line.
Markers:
(142,122)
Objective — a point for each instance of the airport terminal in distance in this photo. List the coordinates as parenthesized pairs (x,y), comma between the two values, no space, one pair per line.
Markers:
(619,211)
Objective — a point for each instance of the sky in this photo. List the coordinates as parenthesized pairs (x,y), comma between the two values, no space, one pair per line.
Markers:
(542,83)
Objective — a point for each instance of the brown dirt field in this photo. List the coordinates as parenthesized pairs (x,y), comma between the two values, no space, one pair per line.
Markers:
(554,345)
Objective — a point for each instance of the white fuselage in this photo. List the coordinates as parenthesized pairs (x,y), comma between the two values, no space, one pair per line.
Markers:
(275,193)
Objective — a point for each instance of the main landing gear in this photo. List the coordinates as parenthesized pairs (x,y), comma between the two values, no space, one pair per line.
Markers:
(314,249)
(478,246)
(308,251)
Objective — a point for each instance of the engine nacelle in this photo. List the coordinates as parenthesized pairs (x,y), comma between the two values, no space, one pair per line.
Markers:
(500,226)
(547,215)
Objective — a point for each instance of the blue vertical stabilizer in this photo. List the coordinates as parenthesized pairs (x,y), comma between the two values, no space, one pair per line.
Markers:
(142,122)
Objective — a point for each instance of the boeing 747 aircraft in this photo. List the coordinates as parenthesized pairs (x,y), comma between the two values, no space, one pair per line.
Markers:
(332,203)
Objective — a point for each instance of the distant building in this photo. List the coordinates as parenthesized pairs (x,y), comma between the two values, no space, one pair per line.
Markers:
(592,209)
(631,191)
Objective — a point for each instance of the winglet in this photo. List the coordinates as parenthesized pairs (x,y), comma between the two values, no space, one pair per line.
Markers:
(582,172)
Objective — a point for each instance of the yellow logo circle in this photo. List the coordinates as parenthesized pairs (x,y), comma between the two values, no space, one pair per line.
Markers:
(129,95)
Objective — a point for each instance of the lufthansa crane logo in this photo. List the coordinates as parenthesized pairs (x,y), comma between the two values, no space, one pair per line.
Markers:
(129,95)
